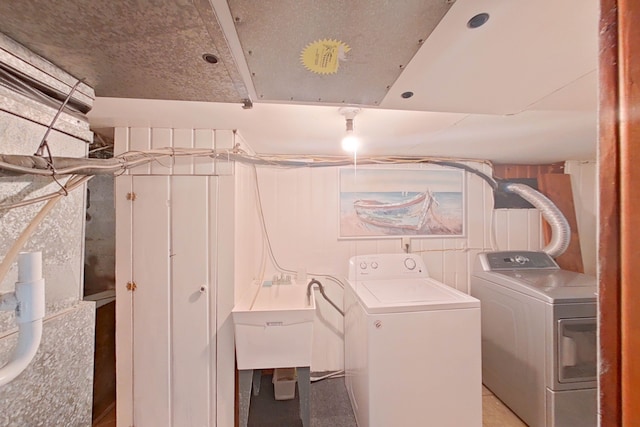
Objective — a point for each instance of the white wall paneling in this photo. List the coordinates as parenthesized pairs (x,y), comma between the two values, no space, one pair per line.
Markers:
(193,345)
(141,139)
(584,183)
(301,213)
(175,241)
(151,302)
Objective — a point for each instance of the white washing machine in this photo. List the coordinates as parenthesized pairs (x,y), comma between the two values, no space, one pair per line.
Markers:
(539,333)
(412,346)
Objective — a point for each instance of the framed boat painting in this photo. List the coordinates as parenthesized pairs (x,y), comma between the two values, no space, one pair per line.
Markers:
(383,202)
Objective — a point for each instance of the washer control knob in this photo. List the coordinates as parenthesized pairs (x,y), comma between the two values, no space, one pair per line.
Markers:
(410,263)
(363,265)
(521,259)
(374,265)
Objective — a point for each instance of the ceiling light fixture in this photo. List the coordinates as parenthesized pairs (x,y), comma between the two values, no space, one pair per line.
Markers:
(478,20)
(210,58)
(350,141)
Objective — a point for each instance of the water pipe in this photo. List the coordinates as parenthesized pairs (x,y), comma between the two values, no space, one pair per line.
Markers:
(28,303)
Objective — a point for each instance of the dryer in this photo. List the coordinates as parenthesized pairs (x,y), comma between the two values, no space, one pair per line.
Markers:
(539,350)
(412,346)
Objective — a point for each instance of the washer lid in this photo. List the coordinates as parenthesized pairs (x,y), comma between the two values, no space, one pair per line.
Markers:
(552,286)
(393,296)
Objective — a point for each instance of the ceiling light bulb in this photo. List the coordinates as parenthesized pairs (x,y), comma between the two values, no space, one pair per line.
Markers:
(350,142)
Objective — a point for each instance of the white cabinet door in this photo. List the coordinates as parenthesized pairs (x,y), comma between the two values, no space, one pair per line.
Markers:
(166,326)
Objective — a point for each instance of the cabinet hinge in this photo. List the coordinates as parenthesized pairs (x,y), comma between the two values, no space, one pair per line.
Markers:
(131,286)
(131,196)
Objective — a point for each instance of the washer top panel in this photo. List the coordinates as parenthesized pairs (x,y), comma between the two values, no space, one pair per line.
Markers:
(552,286)
(410,295)
(535,274)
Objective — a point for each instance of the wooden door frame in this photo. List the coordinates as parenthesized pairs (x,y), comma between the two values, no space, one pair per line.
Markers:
(619,212)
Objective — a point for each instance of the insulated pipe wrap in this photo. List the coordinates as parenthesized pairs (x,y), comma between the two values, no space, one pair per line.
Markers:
(560,229)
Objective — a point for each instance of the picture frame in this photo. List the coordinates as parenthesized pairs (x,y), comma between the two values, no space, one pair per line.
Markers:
(378,202)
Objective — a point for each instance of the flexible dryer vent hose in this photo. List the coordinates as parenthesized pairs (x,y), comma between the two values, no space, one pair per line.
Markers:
(560,230)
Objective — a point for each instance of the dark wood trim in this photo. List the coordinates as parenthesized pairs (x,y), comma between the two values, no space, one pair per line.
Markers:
(609,223)
(629,74)
(507,171)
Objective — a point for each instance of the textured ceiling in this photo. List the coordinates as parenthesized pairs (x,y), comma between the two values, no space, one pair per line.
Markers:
(521,88)
(153,48)
(132,49)
(381,38)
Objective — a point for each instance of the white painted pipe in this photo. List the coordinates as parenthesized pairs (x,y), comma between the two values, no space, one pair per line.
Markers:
(29,292)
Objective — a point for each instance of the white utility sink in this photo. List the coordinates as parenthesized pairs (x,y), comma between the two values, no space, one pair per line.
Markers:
(274,326)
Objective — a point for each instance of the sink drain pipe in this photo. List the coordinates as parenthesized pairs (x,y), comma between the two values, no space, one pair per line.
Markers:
(28,303)
(321,288)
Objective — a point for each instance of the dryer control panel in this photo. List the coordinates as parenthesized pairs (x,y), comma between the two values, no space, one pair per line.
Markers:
(386,266)
(516,260)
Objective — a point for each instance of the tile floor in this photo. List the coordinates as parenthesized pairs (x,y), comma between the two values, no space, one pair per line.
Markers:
(494,412)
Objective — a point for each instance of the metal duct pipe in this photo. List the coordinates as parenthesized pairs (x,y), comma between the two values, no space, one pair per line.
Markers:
(560,230)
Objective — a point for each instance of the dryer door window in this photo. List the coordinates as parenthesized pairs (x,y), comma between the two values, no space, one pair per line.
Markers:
(577,350)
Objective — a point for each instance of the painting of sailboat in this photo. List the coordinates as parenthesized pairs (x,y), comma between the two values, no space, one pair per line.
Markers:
(408,214)
(400,202)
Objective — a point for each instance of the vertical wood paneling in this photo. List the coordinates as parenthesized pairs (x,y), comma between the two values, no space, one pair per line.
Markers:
(584,183)
(535,230)
(301,209)
(183,138)
(165,378)
(248,234)
(140,140)
(204,139)
(161,138)
(224,140)
(518,228)
(190,334)
(225,251)
(151,313)
(214,279)
(120,140)
(501,226)
(476,212)
(124,300)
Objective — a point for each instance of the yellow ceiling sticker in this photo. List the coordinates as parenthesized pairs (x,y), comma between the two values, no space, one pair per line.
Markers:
(324,56)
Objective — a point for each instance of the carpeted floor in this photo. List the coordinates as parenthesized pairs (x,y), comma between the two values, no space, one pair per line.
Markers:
(329,406)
